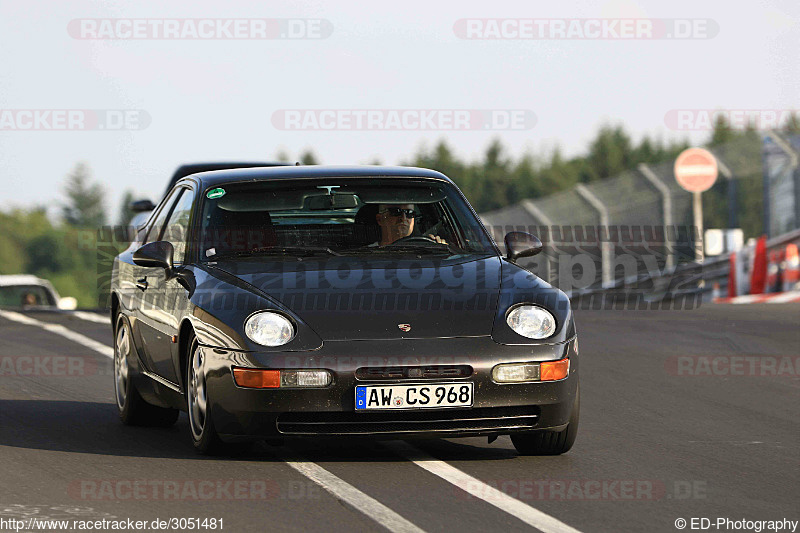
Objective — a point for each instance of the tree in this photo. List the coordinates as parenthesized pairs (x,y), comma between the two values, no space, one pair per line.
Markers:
(125,211)
(495,181)
(308,158)
(792,125)
(525,183)
(610,153)
(84,207)
(48,253)
(722,132)
(558,175)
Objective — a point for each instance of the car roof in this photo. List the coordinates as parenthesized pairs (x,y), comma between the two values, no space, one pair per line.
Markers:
(210,179)
(15,280)
(22,279)
(193,168)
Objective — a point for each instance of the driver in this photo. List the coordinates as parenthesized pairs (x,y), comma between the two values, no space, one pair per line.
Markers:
(28,300)
(396,222)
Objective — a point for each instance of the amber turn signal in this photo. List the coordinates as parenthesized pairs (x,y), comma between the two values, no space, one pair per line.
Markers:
(554,370)
(257,379)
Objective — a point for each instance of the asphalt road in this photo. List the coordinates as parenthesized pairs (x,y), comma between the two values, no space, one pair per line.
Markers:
(684,414)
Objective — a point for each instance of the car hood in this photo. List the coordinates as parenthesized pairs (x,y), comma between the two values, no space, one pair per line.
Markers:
(354,299)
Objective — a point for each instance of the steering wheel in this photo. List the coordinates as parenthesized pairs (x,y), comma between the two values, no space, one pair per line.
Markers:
(414,238)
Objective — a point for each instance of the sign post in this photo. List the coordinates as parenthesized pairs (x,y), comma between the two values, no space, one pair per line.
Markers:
(696,171)
(697,209)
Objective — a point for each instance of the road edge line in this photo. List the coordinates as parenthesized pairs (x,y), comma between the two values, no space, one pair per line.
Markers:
(92,317)
(59,329)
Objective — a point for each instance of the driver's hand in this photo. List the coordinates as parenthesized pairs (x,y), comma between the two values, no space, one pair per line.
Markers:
(436,238)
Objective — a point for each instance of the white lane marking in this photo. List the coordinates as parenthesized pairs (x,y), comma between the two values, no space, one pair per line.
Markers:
(348,493)
(531,516)
(58,329)
(92,317)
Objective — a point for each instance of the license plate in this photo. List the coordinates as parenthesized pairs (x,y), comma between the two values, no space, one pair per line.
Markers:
(418,396)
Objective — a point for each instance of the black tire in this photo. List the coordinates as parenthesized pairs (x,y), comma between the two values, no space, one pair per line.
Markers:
(205,438)
(550,442)
(133,409)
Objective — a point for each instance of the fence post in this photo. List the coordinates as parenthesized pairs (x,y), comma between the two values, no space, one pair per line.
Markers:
(606,246)
(537,213)
(666,206)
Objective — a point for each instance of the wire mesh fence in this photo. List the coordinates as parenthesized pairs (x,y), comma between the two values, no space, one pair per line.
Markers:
(782,184)
(639,224)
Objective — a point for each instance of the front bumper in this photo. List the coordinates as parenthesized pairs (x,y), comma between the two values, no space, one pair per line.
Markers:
(497,408)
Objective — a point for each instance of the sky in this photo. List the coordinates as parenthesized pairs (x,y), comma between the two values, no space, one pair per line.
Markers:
(221,99)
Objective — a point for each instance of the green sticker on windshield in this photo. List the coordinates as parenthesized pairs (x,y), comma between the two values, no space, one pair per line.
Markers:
(213,194)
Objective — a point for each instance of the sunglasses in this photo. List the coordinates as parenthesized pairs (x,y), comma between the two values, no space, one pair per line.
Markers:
(396,212)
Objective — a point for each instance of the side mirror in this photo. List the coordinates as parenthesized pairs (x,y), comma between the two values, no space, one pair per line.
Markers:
(155,254)
(140,206)
(520,244)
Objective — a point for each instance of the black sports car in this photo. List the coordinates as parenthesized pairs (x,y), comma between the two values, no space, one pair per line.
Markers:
(303,301)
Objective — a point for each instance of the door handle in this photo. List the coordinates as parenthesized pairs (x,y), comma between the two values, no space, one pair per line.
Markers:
(141,283)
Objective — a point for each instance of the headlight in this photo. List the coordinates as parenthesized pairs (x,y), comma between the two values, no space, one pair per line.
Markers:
(269,329)
(531,321)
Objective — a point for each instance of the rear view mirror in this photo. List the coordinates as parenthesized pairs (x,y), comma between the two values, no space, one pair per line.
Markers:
(520,244)
(331,201)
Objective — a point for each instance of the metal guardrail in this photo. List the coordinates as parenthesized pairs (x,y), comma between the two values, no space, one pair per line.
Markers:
(714,270)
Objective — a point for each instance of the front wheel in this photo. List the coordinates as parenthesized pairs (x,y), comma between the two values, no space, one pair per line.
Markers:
(205,438)
(133,409)
(546,442)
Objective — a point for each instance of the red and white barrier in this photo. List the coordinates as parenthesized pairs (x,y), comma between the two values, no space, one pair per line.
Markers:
(791,268)
(758,276)
(770,298)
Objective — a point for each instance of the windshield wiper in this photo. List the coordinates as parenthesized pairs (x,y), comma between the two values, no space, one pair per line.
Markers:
(437,249)
(308,250)
(294,251)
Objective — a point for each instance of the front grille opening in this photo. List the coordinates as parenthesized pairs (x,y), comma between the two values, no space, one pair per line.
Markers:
(442,420)
(413,372)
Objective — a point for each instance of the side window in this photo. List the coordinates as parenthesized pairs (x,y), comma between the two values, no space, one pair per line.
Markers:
(155,228)
(177,228)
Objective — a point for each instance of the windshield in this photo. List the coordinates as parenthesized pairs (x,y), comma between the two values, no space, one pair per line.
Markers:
(335,216)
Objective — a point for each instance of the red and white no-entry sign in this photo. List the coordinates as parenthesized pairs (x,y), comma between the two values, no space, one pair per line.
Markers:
(696,169)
